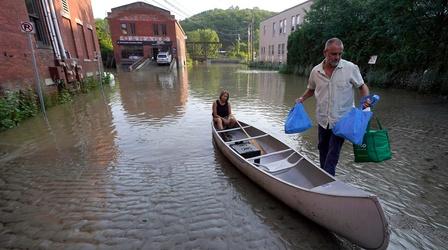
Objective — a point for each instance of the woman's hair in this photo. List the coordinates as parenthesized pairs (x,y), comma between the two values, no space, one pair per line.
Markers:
(224,92)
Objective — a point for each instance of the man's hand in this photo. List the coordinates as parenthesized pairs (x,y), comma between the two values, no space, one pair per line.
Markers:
(366,104)
(300,100)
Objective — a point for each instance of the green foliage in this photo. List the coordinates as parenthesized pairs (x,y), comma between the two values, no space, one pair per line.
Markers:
(227,23)
(204,50)
(409,37)
(89,83)
(64,96)
(239,51)
(104,39)
(16,106)
(107,78)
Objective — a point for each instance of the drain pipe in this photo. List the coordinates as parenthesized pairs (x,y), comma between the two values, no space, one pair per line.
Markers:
(51,30)
(56,27)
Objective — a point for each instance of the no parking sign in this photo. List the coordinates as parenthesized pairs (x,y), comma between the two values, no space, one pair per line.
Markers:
(27,27)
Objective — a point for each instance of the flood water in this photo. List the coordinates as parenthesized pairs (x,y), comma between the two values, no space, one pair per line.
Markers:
(133,166)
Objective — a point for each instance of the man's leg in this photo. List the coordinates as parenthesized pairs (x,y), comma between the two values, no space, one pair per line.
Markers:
(324,143)
(334,150)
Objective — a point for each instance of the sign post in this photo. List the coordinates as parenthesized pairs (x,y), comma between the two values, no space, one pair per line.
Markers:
(28,28)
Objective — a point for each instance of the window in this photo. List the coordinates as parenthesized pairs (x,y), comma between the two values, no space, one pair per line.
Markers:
(35,14)
(279,48)
(298,20)
(284,25)
(92,40)
(132,29)
(264,29)
(155,28)
(124,28)
(163,28)
(65,8)
(69,41)
(283,48)
(273,50)
(273,29)
(83,42)
(293,22)
(281,26)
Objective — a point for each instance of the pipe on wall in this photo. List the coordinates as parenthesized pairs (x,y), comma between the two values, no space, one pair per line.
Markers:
(58,31)
(51,30)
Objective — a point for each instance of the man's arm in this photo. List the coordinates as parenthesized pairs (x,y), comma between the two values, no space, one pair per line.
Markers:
(364,91)
(308,93)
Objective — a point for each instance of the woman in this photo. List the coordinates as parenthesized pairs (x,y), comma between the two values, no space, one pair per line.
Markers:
(222,112)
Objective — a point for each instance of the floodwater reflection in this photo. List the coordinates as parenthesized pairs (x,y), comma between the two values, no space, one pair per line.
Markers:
(154,95)
(134,167)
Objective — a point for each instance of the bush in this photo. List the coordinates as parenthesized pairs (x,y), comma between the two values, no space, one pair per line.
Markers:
(16,106)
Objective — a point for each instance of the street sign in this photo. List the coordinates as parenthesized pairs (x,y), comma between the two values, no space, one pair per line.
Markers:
(27,27)
(372,59)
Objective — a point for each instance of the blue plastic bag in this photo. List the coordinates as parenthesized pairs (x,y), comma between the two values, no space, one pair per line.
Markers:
(297,120)
(352,126)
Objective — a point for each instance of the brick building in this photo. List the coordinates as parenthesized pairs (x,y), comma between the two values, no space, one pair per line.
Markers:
(65,42)
(143,30)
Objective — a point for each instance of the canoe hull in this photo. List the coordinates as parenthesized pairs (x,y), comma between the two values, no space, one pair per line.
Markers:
(358,218)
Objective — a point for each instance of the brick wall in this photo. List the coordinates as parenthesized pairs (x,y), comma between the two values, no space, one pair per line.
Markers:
(16,70)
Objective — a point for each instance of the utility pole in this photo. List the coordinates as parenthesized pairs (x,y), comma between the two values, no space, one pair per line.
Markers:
(248,40)
(238,45)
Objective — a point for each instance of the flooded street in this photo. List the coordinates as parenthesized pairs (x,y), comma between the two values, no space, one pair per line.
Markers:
(133,166)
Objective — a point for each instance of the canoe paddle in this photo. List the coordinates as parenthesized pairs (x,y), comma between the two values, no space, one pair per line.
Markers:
(254,142)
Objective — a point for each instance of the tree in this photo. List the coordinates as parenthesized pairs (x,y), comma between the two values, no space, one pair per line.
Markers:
(409,37)
(203,43)
(104,39)
(228,23)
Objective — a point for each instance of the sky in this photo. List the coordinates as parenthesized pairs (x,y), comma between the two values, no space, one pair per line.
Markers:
(187,8)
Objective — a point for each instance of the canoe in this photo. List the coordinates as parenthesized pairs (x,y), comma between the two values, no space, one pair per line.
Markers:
(343,209)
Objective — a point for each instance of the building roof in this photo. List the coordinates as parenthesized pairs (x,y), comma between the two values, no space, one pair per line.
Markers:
(138,5)
(287,10)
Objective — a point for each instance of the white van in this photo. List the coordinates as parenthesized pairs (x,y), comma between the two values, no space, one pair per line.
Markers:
(164,58)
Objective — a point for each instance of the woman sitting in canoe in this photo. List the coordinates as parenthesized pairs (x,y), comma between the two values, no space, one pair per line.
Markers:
(222,112)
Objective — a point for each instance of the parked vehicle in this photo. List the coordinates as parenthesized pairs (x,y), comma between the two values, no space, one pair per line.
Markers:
(164,58)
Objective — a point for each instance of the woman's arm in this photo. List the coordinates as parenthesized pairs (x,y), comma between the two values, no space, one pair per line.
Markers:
(214,111)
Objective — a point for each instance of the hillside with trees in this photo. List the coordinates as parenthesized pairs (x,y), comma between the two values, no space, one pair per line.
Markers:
(229,25)
(410,39)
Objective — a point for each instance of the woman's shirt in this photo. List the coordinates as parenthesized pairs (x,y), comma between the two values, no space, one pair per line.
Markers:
(222,110)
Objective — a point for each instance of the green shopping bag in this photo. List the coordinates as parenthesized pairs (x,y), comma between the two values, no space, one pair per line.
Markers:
(375,146)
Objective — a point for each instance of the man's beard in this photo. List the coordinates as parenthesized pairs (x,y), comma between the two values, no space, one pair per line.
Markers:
(334,63)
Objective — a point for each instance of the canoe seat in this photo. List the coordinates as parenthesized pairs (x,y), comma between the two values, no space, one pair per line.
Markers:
(279,165)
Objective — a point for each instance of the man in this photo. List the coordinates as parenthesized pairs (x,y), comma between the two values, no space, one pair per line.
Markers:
(332,82)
